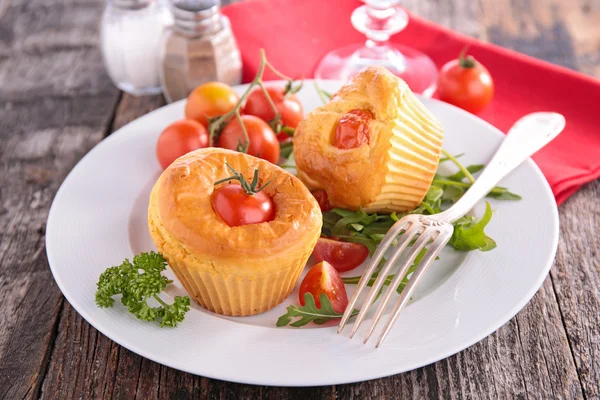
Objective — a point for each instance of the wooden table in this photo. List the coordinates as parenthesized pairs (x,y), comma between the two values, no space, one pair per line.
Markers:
(56,103)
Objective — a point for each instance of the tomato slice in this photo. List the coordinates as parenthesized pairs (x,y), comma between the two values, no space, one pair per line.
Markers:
(323,200)
(352,129)
(343,256)
(323,278)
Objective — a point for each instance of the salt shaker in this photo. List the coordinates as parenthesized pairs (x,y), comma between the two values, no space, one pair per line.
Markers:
(198,48)
(130,38)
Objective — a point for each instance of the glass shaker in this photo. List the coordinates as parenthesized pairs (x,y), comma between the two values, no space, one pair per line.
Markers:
(198,48)
(130,39)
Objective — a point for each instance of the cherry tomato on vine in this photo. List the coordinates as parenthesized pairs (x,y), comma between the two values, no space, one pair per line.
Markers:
(343,256)
(210,100)
(236,207)
(352,129)
(323,278)
(263,142)
(465,83)
(288,106)
(178,139)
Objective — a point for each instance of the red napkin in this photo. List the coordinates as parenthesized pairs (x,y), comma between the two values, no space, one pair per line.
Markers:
(296,35)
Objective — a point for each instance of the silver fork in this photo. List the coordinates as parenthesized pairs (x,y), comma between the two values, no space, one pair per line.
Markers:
(527,136)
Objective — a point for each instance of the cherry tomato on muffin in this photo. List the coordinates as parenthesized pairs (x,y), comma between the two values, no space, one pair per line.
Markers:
(288,106)
(178,139)
(465,83)
(323,200)
(343,256)
(237,208)
(352,129)
(242,203)
(263,142)
(210,100)
(323,278)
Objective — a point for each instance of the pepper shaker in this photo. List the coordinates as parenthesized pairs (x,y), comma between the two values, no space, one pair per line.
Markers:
(198,48)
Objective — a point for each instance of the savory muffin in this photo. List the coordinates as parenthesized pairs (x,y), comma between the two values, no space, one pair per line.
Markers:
(236,263)
(374,145)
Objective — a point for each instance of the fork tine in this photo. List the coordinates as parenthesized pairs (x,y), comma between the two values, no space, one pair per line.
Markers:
(432,252)
(425,237)
(406,238)
(383,246)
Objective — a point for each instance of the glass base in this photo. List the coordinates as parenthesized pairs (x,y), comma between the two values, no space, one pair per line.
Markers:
(413,66)
(137,91)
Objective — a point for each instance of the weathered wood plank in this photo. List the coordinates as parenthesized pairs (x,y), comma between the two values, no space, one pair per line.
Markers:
(576,279)
(55,104)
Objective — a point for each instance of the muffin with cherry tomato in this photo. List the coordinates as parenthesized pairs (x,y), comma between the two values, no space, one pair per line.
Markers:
(374,145)
(236,230)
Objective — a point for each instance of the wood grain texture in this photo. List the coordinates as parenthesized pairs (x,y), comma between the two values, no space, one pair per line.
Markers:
(56,103)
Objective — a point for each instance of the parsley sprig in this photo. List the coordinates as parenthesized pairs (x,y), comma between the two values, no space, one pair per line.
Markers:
(137,283)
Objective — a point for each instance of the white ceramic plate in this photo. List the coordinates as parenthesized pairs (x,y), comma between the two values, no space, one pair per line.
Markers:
(98,218)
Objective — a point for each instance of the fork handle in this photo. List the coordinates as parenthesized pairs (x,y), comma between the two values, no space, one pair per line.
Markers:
(527,136)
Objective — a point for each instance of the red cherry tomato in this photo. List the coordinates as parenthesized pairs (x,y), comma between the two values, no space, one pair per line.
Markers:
(210,100)
(237,208)
(323,200)
(465,83)
(263,142)
(289,107)
(180,138)
(352,129)
(343,256)
(323,278)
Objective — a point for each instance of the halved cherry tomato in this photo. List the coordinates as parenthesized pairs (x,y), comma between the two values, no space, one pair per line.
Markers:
(178,139)
(237,208)
(323,278)
(289,107)
(352,129)
(210,100)
(343,256)
(465,83)
(263,142)
(323,200)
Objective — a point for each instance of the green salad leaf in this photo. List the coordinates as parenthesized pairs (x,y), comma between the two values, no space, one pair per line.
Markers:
(138,282)
(469,235)
(303,315)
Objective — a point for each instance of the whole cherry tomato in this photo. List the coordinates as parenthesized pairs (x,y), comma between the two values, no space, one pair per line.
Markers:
(323,200)
(323,278)
(263,142)
(210,100)
(352,129)
(288,106)
(180,138)
(466,83)
(236,207)
(343,256)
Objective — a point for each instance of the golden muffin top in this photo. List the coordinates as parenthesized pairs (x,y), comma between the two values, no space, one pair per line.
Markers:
(183,199)
(394,168)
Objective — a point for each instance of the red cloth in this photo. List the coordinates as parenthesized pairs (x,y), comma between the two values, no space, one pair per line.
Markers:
(296,35)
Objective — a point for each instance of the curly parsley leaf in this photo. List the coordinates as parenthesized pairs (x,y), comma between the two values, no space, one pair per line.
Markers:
(136,283)
(469,235)
(309,312)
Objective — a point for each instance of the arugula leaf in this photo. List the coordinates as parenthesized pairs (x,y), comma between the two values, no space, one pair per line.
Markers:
(310,313)
(460,175)
(137,287)
(469,235)
(502,193)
